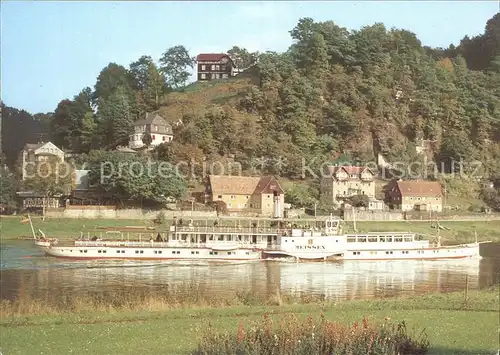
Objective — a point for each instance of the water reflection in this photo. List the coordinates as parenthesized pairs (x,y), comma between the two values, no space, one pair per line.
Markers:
(50,279)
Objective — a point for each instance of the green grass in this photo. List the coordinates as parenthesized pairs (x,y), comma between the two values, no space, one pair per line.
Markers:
(453,326)
(12,228)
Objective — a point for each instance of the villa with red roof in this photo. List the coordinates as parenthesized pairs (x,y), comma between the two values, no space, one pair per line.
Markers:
(417,195)
(212,66)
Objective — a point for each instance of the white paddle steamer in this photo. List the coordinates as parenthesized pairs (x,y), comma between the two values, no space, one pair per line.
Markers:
(279,239)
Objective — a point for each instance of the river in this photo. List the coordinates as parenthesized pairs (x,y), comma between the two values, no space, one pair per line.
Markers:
(27,274)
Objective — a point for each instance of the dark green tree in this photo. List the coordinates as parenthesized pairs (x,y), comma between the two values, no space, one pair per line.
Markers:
(175,64)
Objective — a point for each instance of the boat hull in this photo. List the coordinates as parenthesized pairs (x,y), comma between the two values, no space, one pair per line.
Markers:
(128,253)
(464,251)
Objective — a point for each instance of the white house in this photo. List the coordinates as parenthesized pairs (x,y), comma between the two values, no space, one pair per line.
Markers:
(33,153)
(156,126)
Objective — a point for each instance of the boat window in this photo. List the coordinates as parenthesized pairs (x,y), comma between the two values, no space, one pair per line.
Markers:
(362,239)
(211,253)
(137,251)
(408,239)
(382,239)
(173,251)
(192,252)
(398,239)
(99,251)
(196,252)
(247,253)
(372,239)
(178,252)
(104,251)
(85,251)
(228,253)
(388,252)
(123,251)
(351,239)
(221,237)
(215,252)
(373,253)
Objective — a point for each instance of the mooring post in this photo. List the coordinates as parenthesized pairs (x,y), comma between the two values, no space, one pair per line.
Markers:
(466,287)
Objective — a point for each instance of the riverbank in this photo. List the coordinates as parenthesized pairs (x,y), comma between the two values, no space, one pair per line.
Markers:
(454,325)
(454,232)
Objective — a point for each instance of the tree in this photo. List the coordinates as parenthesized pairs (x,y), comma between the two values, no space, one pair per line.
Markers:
(73,126)
(242,58)
(50,178)
(149,84)
(116,118)
(491,197)
(359,201)
(147,139)
(174,65)
(137,178)
(110,78)
(8,188)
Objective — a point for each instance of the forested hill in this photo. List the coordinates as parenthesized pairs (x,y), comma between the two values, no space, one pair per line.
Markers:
(360,92)
(18,128)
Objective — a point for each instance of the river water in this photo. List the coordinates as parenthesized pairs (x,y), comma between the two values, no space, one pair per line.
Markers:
(27,274)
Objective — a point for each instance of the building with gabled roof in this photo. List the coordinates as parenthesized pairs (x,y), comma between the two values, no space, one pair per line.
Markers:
(212,66)
(36,152)
(344,181)
(263,195)
(154,125)
(419,195)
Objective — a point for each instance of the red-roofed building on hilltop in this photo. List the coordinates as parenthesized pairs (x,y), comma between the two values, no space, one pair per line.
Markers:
(214,66)
(416,195)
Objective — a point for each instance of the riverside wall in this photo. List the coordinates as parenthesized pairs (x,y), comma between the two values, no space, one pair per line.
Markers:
(111,212)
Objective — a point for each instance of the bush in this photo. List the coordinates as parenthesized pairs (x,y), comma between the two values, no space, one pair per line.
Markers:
(160,218)
(294,337)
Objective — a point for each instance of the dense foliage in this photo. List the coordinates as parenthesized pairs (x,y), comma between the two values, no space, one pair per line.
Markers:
(363,92)
(123,176)
(296,337)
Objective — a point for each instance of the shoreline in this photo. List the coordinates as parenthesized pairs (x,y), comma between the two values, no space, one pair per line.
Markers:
(455,232)
(447,318)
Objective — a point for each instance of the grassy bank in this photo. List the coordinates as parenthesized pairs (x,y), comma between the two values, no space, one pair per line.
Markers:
(12,228)
(453,326)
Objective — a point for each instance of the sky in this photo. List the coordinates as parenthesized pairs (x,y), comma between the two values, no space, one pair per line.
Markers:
(50,51)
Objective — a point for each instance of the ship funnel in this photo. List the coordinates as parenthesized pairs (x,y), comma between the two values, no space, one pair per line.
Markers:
(277,205)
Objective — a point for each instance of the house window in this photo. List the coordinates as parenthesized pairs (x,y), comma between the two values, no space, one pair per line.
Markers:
(213,67)
(220,196)
(203,76)
(224,76)
(217,67)
(163,138)
(153,137)
(203,67)
(223,67)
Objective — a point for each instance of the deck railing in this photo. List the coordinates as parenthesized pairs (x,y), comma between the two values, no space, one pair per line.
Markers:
(169,244)
(228,230)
